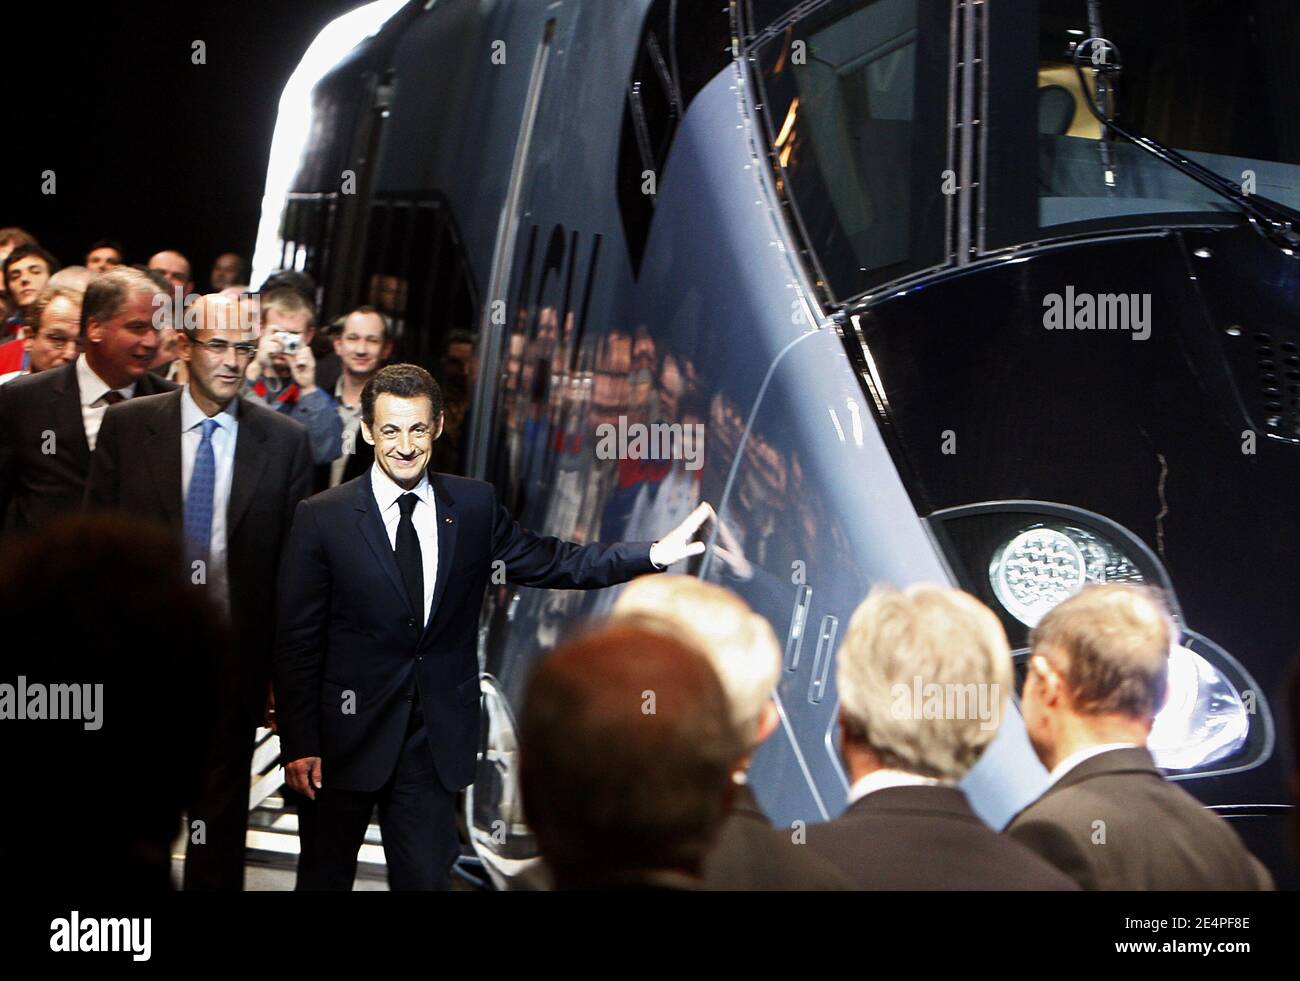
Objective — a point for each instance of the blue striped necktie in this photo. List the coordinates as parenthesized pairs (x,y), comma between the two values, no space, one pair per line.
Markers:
(198,502)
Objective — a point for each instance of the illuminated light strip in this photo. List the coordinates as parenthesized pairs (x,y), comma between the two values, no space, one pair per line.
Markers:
(789,122)
(294,118)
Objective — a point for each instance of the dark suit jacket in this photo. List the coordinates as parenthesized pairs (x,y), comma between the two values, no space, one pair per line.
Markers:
(1157,836)
(927,838)
(35,486)
(137,470)
(346,625)
(751,855)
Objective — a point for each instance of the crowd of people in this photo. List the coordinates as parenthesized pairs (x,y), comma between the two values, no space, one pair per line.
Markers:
(341,574)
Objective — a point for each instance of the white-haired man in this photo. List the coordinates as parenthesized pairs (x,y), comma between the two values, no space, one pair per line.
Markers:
(924,676)
(1110,820)
(749,853)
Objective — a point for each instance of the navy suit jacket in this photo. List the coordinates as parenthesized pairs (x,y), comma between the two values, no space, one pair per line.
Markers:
(350,651)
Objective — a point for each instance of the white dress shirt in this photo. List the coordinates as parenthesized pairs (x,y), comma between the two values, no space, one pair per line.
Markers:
(1078,756)
(424,517)
(223,450)
(880,779)
(93,389)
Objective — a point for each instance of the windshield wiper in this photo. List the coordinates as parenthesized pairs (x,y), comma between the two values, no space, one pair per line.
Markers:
(1275,221)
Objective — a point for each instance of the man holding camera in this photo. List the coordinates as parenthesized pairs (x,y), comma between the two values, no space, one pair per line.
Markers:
(283,374)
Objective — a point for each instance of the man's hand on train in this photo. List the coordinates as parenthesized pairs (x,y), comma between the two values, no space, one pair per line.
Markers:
(677,545)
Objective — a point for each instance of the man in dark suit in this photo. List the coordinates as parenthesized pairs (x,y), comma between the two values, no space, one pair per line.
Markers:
(376,670)
(924,677)
(1110,820)
(749,854)
(49,422)
(227,473)
(623,792)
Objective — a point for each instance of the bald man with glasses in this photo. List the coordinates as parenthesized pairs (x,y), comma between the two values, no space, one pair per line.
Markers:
(227,474)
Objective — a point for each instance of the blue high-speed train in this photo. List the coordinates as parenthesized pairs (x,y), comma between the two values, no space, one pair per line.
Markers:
(957,292)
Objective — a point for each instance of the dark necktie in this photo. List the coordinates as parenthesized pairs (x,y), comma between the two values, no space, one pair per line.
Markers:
(112,397)
(409,559)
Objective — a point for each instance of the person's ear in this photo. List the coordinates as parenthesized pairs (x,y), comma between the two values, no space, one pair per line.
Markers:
(768,720)
(1042,669)
(437,429)
(366,434)
(386,351)
(94,331)
(183,349)
(308,336)
(338,344)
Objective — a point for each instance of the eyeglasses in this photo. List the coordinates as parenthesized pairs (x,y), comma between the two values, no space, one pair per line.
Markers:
(219,348)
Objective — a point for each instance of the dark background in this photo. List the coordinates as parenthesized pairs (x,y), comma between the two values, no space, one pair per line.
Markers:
(147,148)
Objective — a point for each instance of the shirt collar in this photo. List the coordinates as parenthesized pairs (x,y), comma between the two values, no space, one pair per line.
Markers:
(93,388)
(1079,755)
(352,410)
(880,779)
(387,492)
(192,415)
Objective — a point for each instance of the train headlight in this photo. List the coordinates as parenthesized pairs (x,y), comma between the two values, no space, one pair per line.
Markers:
(1048,562)
(1204,718)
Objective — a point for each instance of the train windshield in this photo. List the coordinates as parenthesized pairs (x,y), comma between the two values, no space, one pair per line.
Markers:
(1213,79)
(856,97)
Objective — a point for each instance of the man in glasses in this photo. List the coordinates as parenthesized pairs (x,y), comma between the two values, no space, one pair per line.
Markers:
(227,474)
(54,338)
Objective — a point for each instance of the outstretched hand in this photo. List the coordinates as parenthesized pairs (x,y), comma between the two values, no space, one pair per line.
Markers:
(677,544)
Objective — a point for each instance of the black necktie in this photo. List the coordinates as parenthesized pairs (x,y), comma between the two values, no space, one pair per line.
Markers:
(409,559)
(112,397)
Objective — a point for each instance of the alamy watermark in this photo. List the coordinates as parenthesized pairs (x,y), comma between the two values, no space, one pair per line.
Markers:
(1098,311)
(24,701)
(653,441)
(931,700)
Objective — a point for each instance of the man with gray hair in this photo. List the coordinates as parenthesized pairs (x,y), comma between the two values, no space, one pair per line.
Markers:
(749,855)
(1110,820)
(49,422)
(924,676)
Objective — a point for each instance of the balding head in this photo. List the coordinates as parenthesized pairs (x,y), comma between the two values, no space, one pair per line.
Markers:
(1098,670)
(175,267)
(626,754)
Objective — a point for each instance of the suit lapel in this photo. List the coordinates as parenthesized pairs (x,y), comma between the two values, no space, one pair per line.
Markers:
(163,450)
(371,526)
(250,461)
(448,524)
(66,409)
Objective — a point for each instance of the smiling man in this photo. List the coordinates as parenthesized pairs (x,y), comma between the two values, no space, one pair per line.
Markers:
(363,344)
(49,422)
(226,473)
(376,671)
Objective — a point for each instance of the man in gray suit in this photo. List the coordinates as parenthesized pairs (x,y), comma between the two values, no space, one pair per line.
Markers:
(1110,820)
(924,679)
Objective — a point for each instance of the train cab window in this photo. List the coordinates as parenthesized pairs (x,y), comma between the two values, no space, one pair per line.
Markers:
(855,96)
(415,270)
(683,45)
(1212,80)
